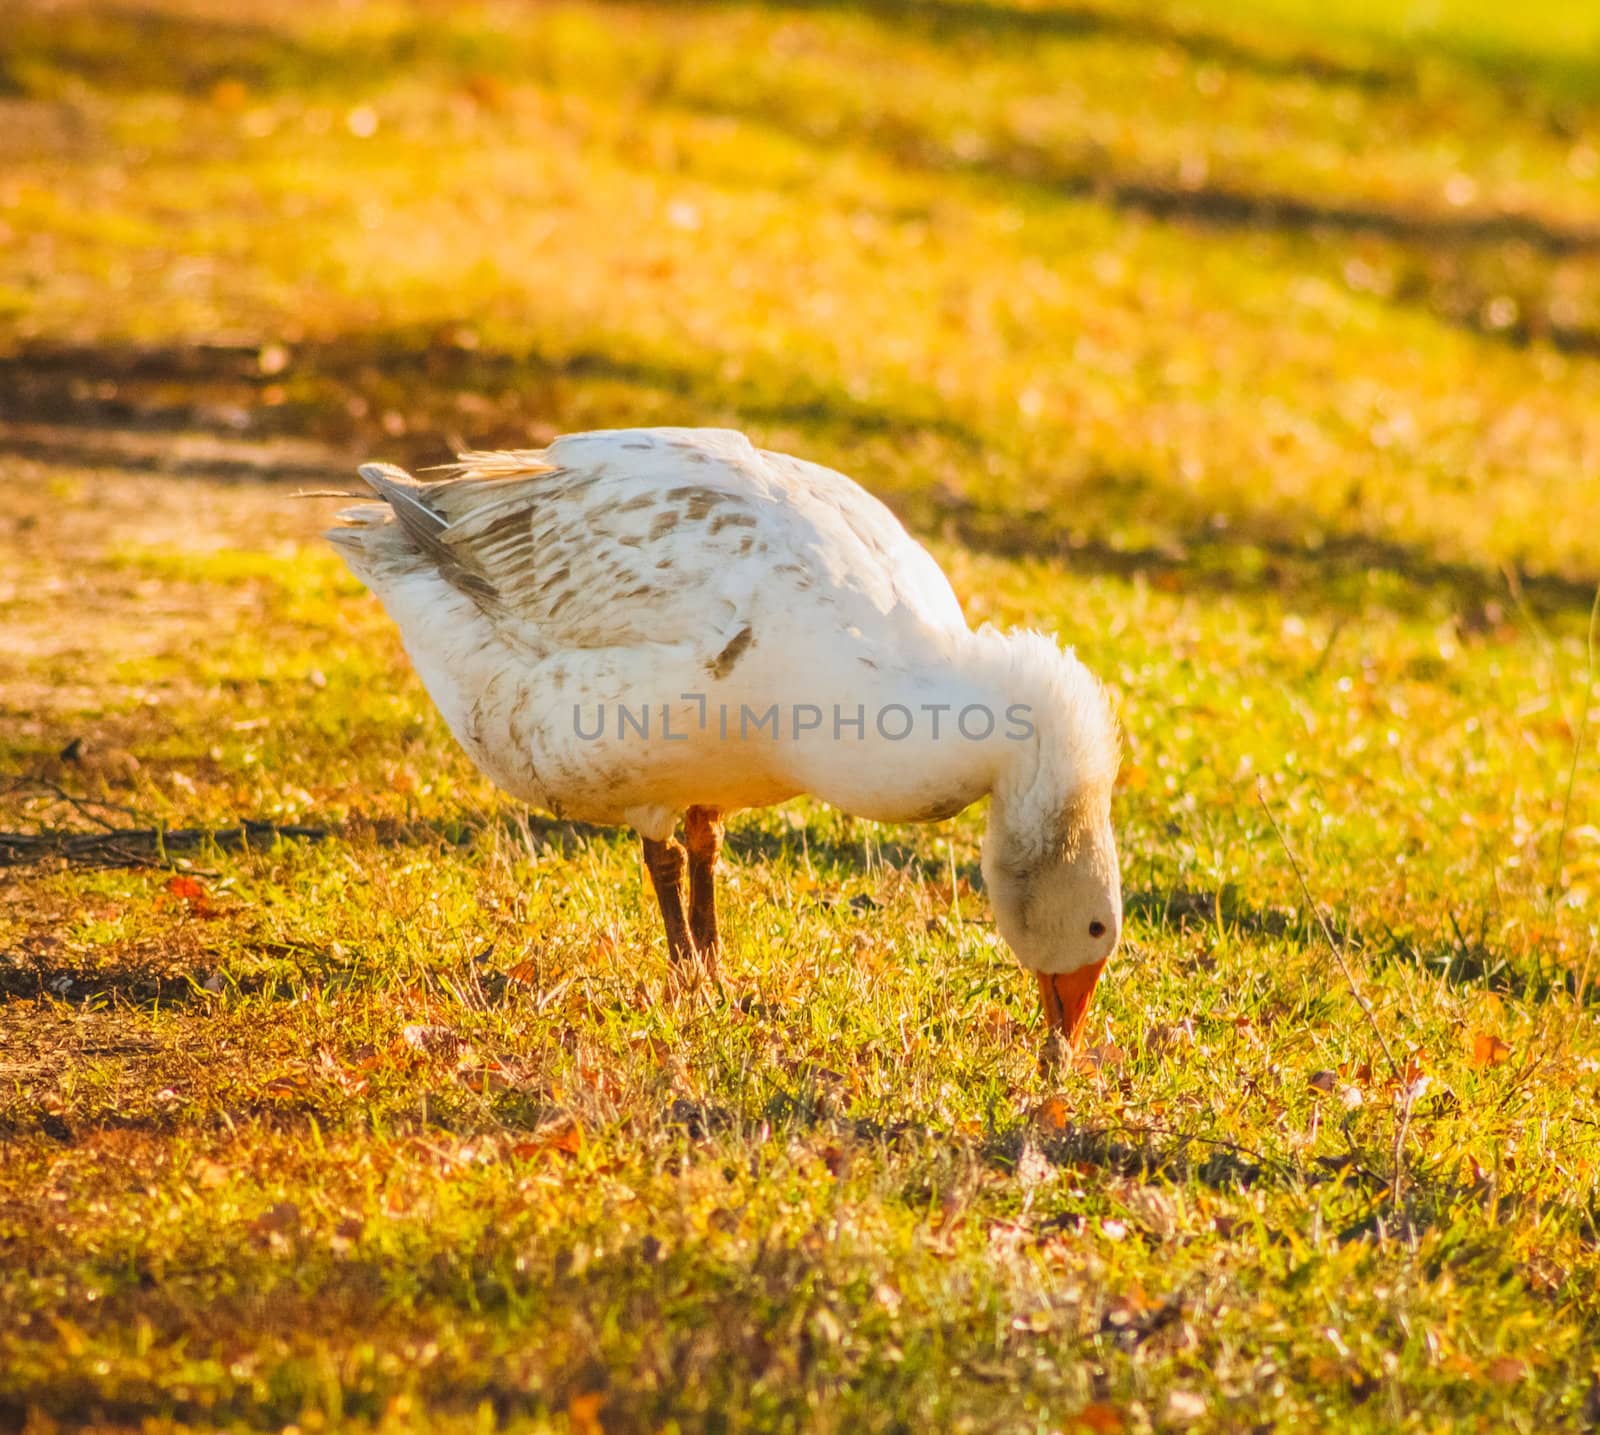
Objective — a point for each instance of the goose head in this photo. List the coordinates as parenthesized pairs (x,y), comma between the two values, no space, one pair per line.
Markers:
(1058,905)
(1050,856)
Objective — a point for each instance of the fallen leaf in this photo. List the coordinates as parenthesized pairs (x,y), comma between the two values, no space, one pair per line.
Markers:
(208,1175)
(1414,1079)
(1100,1419)
(1052,1114)
(563,1135)
(1128,1308)
(487,1077)
(583,1413)
(192,893)
(1099,1058)
(996,1021)
(1506,1370)
(229,94)
(1323,1080)
(1488,1050)
(281,1219)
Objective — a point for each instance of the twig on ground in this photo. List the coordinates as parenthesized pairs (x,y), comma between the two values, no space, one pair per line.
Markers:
(80,805)
(1398,1186)
(1176,1134)
(1580,733)
(133,846)
(1327,932)
(1337,627)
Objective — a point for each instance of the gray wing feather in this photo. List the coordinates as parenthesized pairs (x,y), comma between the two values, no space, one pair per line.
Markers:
(424,524)
(595,554)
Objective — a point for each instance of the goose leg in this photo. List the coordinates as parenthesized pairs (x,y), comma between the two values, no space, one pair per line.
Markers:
(665,862)
(702,833)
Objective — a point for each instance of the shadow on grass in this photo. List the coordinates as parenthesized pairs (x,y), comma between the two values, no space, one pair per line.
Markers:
(1461,961)
(1282,55)
(1254,553)
(342,389)
(143,846)
(34,975)
(137,48)
(1456,960)
(131,47)
(131,846)
(1085,172)
(342,392)
(87,986)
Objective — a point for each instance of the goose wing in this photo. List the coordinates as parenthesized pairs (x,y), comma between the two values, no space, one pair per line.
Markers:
(658,535)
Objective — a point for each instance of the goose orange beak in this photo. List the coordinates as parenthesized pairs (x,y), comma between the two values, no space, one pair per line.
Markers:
(1066,999)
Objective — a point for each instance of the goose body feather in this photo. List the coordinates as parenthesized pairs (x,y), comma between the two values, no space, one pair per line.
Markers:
(549,598)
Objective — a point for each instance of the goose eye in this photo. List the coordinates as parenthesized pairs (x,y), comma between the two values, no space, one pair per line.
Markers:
(1097,929)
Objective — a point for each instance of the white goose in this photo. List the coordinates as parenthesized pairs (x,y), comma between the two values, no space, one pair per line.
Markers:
(635,624)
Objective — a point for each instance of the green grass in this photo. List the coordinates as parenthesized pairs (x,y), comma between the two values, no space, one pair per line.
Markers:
(1254,348)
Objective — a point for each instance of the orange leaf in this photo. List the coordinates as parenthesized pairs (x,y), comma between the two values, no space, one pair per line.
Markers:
(280,1220)
(1097,1058)
(996,1020)
(490,1076)
(583,1413)
(1100,1418)
(1506,1370)
(563,1135)
(192,893)
(1052,1114)
(209,1174)
(1488,1050)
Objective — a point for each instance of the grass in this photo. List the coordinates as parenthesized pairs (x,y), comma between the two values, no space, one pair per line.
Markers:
(1252,348)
